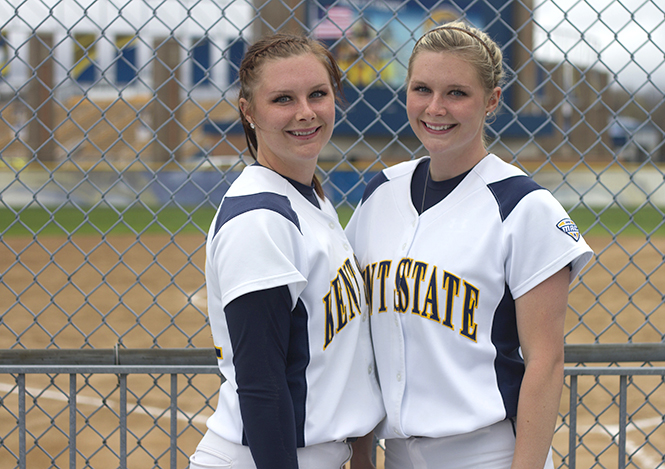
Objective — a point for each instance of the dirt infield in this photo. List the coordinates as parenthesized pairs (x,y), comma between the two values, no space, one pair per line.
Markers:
(90,291)
(116,290)
(96,292)
(619,296)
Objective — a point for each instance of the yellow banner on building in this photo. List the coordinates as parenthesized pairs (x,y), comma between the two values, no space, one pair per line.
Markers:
(85,55)
(4,54)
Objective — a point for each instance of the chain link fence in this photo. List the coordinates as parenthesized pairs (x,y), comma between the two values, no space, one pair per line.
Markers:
(119,136)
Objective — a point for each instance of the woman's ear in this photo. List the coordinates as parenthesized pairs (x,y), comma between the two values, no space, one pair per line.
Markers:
(493,101)
(243,104)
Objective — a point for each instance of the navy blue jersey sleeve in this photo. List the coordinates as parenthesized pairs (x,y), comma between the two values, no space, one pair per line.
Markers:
(259,325)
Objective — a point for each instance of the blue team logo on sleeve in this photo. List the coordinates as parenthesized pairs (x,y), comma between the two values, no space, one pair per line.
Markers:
(569,227)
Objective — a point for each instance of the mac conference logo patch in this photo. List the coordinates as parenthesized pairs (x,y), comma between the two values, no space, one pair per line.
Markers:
(569,227)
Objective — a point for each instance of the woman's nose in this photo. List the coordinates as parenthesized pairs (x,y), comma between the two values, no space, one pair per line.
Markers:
(305,112)
(436,106)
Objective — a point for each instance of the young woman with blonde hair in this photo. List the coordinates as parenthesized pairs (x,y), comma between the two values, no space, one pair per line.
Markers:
(467,263)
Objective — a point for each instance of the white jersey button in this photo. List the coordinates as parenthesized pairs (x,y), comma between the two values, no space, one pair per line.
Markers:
(404,247)
(399,376)
(331,225)
(369,370)
(346,247)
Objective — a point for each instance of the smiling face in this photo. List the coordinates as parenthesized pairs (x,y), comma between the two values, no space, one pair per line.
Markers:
(446,105)
(293,112)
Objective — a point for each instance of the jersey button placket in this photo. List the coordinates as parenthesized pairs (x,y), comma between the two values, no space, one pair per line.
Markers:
(397,366)
(410,236)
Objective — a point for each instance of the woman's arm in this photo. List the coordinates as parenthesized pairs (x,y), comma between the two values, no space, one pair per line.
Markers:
(259,325)
(540,322)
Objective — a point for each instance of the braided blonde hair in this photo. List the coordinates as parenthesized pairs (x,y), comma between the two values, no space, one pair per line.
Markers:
(472,44)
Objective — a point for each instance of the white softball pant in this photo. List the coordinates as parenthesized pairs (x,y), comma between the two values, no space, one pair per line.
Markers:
(487,448)
(214,452)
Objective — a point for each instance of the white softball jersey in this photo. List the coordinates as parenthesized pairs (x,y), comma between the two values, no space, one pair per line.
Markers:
(441,288)
(266,234)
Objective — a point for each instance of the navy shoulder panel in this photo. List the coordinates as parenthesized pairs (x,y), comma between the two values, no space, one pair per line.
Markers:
(373,184)
(234,206)
(509,192)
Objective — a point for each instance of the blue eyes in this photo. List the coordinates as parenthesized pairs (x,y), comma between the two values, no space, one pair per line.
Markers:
(424,89)
(286,98)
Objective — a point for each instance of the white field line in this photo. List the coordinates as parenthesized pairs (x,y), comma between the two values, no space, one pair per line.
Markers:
(200,299)
(149,411)
(641,457)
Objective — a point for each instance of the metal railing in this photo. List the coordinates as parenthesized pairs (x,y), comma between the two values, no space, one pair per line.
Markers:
(173,363)
(612,451)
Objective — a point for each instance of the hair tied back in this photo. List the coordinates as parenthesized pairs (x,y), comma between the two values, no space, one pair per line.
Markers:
(475,36)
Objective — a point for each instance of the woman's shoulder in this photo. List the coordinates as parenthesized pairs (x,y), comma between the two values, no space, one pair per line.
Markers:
(508,184)
(492,169)
(258,192)
(257,179)
(404,168)
(393,173)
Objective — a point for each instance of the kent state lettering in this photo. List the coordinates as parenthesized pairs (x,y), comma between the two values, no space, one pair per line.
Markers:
(414,277)
(342,303)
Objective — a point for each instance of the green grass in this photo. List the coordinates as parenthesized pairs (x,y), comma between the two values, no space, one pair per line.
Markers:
(344,213)
(109,221)
(168,220)
(621,221)
(613,220)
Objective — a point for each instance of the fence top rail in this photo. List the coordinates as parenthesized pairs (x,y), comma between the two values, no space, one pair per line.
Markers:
(613,371)
(197,369)
(615,353)
(109,357)
(205,357)
(109,369)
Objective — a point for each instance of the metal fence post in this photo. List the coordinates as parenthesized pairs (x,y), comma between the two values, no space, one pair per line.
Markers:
(22,456)
(623,398)
(284,15)
(174,421)
(40,102)
(123,420)
(572,422)
(166,108)
(72,421)
(524,63)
